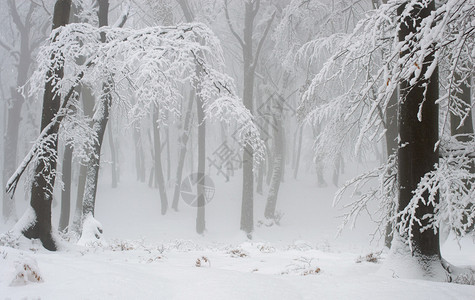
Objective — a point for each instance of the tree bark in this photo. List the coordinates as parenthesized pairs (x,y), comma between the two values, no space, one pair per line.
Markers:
(139,155)
(183,147)
(269,212)
(159,180)
(299,150)
(113,156)
(88,106)
(200,213)
(416,153)
(43,180)
(66,193)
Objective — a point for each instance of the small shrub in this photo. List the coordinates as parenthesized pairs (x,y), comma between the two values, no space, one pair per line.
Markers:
(238,253)
(201,261)
(373,257)
(9,239)
(27,271)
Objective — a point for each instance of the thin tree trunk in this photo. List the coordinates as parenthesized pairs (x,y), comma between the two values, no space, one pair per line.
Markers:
(391,148)
(113,156)
(88,106)
(101,116)
(159,180)
(200,215)
(99,123)
(181,159)
(299,150)
(66,193)
(139,156)
(269,212)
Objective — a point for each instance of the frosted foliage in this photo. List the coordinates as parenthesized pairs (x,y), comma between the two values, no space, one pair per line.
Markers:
(304,23)
(354,76)
(367,63)
(145,64)
(453,182)
(26,271)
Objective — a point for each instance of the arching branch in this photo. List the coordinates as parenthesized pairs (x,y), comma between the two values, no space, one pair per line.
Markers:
(261,41)
(231,25)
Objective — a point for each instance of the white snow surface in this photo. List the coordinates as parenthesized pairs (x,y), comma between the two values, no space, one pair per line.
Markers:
(143,255)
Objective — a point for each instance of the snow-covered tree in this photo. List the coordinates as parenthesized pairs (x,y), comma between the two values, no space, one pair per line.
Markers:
(403,44)
(149,62)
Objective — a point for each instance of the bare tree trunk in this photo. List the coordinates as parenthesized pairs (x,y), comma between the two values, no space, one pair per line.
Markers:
(200,216)
(278,164)
(88,106)
(113,156)
(66,193)
(99,120)
(101,116)
(181,158)
(99,123)
(299,150)
(250,60)
(159,181)
(167,143)
(139,155)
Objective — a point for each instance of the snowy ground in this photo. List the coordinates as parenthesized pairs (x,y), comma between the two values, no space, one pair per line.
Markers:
(148,256)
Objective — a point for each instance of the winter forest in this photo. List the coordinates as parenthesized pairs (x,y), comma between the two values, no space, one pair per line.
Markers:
(237,149)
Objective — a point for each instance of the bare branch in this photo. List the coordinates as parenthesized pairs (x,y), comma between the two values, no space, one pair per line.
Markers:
(231,25)
(123,16)
(261,41)
(15,16)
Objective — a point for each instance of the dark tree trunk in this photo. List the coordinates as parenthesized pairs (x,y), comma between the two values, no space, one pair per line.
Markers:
(139,155)
(200,215)
(88,105)
(43,180)
(113,156)
(66,193)
(416,154)
(99,123)
(181,159)
(99,127)
(159,180)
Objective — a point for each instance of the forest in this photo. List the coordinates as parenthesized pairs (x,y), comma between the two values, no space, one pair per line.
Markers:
(237,149)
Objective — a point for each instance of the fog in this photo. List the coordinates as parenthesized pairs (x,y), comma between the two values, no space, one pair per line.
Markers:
(253,149)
